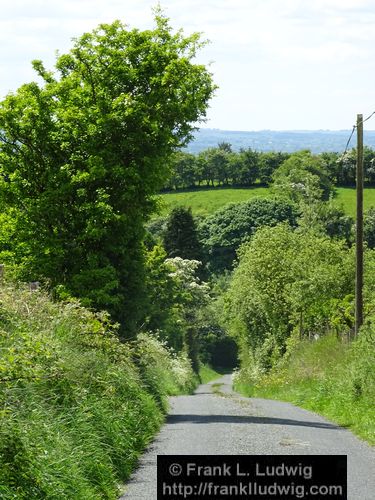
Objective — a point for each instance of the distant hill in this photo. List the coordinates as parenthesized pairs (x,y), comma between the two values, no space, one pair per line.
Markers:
(317,141)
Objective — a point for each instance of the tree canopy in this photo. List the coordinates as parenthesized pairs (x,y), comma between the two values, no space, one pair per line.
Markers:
(82,153)
(286,280)
(229,227)
(180,236)
(303,176)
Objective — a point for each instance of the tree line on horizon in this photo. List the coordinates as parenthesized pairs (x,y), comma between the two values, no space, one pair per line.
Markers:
(222,166)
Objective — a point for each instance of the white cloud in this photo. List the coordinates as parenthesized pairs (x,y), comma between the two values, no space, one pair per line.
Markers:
(274,55)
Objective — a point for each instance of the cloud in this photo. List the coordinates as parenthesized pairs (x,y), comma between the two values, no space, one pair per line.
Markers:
(265,52)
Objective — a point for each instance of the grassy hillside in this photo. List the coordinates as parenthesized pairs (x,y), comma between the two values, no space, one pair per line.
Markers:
(207,201)
(347,197)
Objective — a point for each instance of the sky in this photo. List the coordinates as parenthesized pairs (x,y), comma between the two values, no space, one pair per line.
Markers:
(279,64)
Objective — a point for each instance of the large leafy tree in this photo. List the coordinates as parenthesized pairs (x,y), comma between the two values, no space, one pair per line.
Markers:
(268,163)
(286,280)
(82,153)
(223,232)
(346,167)
(183,170)
(249,166)
(303,177)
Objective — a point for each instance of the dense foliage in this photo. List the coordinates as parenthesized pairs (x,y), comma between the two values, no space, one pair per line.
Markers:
(81,158)
(334,222)
(180,237)
(221,166)
(369,227)
(193,294)
(82,154)
(224,231)
(286,281)
(302,177)
(345,167)
(77,406)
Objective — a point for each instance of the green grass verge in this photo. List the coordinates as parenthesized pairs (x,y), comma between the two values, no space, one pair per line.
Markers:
(77,407)
(328,377)
(205,202)
(207,374)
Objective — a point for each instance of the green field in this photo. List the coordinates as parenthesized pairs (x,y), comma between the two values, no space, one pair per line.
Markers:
(207,201)
(346,197)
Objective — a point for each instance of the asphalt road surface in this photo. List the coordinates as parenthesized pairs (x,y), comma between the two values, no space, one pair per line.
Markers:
(211,423)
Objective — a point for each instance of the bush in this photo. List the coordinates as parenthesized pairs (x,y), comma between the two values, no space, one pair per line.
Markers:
(224,231)
(303,176)
(369,227)
(335,222)
(163,372)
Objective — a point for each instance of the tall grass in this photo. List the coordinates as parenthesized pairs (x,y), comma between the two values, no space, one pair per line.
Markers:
(328,376)
(76,406)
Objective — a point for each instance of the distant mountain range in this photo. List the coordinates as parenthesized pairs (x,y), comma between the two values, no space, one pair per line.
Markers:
(317,141)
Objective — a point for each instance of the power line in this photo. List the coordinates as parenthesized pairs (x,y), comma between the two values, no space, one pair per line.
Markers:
(365,120)
(350,138)
(352,132)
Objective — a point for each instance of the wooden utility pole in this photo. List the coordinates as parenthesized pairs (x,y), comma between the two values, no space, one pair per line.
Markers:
(359,235)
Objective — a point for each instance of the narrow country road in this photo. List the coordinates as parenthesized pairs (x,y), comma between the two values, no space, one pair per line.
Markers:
(208,423)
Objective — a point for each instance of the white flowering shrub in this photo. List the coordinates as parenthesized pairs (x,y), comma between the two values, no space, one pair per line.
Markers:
(164,372)
(195,291)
